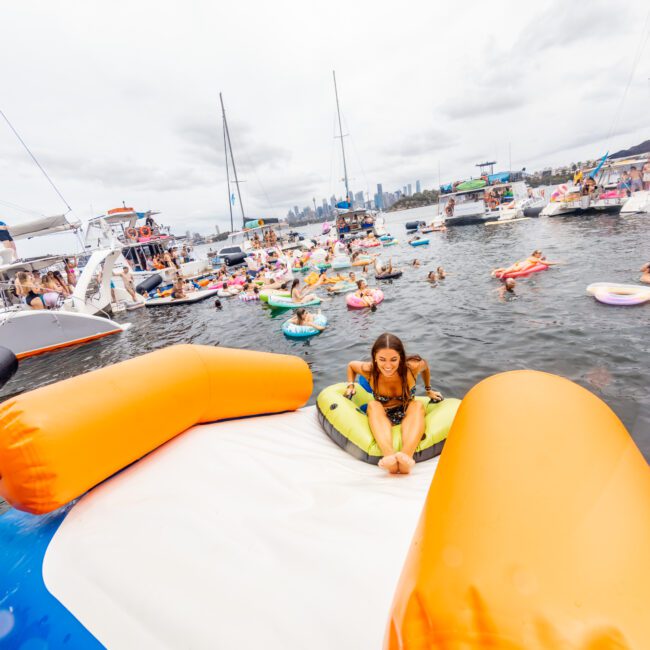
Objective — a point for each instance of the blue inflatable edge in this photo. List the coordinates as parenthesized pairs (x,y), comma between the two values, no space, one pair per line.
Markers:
(30,616)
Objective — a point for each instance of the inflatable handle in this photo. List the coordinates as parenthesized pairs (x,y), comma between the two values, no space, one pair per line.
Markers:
(59,441)
(536,529)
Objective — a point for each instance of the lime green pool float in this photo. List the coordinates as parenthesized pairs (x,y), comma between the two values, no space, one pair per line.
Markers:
(347,424)
(265,293)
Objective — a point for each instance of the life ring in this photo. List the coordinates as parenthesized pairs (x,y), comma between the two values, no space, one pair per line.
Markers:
(131,233)
(346,423)
(145,231)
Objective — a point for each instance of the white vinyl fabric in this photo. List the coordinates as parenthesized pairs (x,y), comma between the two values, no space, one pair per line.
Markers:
(255,533)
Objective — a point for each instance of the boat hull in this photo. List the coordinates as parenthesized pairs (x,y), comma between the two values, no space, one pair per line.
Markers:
(29,333)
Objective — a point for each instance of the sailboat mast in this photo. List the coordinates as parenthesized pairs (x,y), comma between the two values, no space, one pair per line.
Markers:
(232,159)
(338,111)
(225,150)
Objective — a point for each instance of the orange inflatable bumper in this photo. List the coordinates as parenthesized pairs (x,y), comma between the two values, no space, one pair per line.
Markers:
(59,441)
(536,530)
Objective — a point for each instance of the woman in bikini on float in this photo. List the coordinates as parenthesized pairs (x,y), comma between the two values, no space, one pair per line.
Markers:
(392,376)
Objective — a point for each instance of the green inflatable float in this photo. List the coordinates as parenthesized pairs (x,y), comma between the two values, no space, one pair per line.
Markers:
(346,424)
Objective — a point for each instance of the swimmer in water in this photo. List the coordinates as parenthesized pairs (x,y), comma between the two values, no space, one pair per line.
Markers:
(508,287)
(415,263)
(432,277)
(441,273)
(645,270)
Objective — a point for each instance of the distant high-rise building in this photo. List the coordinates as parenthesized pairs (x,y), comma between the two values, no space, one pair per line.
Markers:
(333,201)
(418,187)
(404,192)
(326,207)
(296,210)
(410,190)
(358,198)
(379,196)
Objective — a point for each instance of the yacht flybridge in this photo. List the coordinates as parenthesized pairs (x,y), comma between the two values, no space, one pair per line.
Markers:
(139,238)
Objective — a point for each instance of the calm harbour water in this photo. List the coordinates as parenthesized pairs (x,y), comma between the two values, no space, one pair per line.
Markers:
(460,325)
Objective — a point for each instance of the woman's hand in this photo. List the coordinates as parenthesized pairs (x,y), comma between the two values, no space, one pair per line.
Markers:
(435,396)
(350,390)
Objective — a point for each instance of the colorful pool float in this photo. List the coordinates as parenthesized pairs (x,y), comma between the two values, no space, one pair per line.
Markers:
(286,303)
(346,423)
(526,270)
(419,242)
(293,331)
(353,301)
(623,295)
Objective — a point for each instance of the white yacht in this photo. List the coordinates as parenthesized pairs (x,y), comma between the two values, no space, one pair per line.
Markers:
(497,196)
(119,228)
(638,203)
(67,321)
(607,195)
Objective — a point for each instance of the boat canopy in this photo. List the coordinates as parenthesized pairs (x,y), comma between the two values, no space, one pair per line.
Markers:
(500,177)
(31,264)
(43,226)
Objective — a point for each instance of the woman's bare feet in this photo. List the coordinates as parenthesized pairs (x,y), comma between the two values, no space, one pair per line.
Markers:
(404,462)
(390,464)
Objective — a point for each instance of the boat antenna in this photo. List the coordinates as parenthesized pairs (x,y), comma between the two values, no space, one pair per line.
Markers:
(232,159)
(338,111)
(225,150)
(56,189)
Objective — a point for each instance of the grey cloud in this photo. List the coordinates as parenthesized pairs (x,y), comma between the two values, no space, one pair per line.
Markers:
(422,143)
(481,102)
(565,23)
(126,173)
(205,141)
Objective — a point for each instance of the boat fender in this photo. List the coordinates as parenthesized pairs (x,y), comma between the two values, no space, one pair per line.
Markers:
(149,284)
(8,365)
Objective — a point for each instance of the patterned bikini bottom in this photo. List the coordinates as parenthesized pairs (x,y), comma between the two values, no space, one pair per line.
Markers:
(395,414)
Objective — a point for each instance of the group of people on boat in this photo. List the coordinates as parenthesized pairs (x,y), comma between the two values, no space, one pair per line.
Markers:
(169,259)
(45,290)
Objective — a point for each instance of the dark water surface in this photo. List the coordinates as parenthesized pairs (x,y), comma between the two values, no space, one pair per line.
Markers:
(460,325)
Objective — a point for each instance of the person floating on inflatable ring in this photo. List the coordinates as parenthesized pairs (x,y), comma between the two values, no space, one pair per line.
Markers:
(392,376)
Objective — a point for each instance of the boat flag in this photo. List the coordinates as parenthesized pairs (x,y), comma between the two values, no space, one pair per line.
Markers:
(232,199)
(600,164)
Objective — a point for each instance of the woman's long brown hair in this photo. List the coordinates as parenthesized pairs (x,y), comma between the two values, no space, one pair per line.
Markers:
(388,341)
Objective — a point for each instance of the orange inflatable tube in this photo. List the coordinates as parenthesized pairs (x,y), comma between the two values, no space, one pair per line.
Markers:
(59,441)
(536,530)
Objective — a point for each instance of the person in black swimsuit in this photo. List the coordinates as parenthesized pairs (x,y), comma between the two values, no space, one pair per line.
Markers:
(393,375)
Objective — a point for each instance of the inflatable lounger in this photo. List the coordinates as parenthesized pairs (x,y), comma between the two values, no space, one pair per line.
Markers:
(257,531)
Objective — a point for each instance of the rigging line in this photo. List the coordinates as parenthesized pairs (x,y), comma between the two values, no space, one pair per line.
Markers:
(635,62)
(36,161)
(19,208)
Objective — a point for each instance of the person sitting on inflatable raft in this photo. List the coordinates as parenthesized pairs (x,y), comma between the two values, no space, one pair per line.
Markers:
(304,318)
(296,293)
(537,258)
(365,293)
(392,375)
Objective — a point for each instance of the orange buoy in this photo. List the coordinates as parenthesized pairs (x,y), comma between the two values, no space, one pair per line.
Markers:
(536,529)
(145,231)
(131,233)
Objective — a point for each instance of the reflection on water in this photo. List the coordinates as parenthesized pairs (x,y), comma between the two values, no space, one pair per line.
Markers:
(459,324)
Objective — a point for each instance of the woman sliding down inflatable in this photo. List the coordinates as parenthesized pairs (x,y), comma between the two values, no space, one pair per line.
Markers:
(392,375)
(536,262)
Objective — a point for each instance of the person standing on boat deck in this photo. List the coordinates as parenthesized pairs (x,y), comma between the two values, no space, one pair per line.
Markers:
(7,240)
(127,279)
(646,175)
(636,180)
(624,183)
(392,375)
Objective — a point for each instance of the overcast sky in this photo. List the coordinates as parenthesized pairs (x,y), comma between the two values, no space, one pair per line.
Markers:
(120,101)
